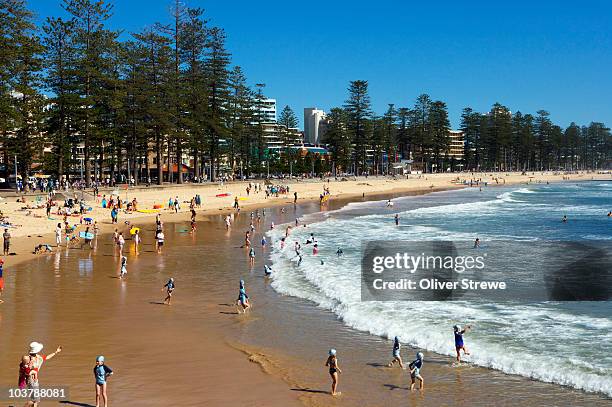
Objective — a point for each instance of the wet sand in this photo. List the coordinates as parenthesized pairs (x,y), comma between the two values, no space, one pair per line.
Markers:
(199,351)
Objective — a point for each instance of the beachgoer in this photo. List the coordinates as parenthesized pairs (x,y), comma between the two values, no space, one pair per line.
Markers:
(334,370)
(476,243)
(396,353)
(564,220)
(1,279)
(339,252)
(252,257)
(101,374)
(315,249)
(415,371)
(121,242)
(159,240)
(396,219)
(169,286)
(58,235)
(35,363)
(243,298)
(459,345)
(123,271)
(7,241)
(267,270)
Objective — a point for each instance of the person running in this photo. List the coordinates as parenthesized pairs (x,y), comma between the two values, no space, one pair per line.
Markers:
(396,219)
(396,353)
(334,370)
(415,371)
(123,271)
(243,298)
(101,374)
(159,240)
(1,279)
(35,362)
(459,345)
(169,286)
(251,256)
(7,241)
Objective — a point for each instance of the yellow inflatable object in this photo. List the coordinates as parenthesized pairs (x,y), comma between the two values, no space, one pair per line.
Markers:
(148,210)
(134,230)
(242,199)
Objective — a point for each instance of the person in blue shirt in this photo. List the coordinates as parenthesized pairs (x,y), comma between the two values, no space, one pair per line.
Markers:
(169,286)
(101,374)
(415,371)
(243,298)
(396,353)
(459,345)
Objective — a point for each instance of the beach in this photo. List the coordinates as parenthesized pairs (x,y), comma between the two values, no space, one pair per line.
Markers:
(199,351)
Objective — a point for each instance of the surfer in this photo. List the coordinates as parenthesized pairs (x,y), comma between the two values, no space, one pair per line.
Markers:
(459,345)
(334,370)
(396,353)
(415,371)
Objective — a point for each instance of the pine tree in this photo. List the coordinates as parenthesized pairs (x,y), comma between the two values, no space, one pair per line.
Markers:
(359,116)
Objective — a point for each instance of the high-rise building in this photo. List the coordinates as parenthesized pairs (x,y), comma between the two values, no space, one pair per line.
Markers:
(267,109)
(314,125)
(457,142)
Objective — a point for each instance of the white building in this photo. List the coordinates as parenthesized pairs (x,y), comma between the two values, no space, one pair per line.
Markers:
(314,122)
(267,108)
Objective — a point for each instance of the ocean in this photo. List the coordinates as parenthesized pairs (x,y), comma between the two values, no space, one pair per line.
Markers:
(566,343)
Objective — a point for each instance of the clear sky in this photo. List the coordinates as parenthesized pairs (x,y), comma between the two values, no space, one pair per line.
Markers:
(527,55)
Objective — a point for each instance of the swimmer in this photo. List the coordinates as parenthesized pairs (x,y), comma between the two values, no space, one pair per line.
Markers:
(299,259)
(415,371)
(315,249)
(389,203)
(169,286)
(263,242)
(476,243)
(564,220)
(267,270)
(339,252)
(396,353)
(282,243)
(271,225)
(396,219)
(459,345)
(334,370)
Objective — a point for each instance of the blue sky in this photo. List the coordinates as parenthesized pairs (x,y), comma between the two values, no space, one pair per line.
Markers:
(527,55)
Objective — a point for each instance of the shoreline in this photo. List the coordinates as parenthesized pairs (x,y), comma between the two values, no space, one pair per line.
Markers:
(223,332)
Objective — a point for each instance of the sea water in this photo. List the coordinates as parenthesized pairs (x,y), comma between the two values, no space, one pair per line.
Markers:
(567,343)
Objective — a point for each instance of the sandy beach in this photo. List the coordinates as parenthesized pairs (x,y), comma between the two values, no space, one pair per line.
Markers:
(199,351)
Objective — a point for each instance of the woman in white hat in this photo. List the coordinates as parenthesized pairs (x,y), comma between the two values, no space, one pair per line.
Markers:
(334,370)
(35,363)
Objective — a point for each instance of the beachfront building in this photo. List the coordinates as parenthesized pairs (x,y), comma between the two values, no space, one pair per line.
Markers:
(314,125)
(266,108)
(457,143)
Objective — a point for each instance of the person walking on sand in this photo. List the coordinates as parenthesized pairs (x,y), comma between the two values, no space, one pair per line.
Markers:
(35,362)
(334,370)
(120,242)
(459,345)
(136,240)
(415,371)
(396,353)
(7,241)
(169,286)
(101,374)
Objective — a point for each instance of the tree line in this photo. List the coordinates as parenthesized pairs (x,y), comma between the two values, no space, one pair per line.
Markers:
(102,100)
(498,140)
